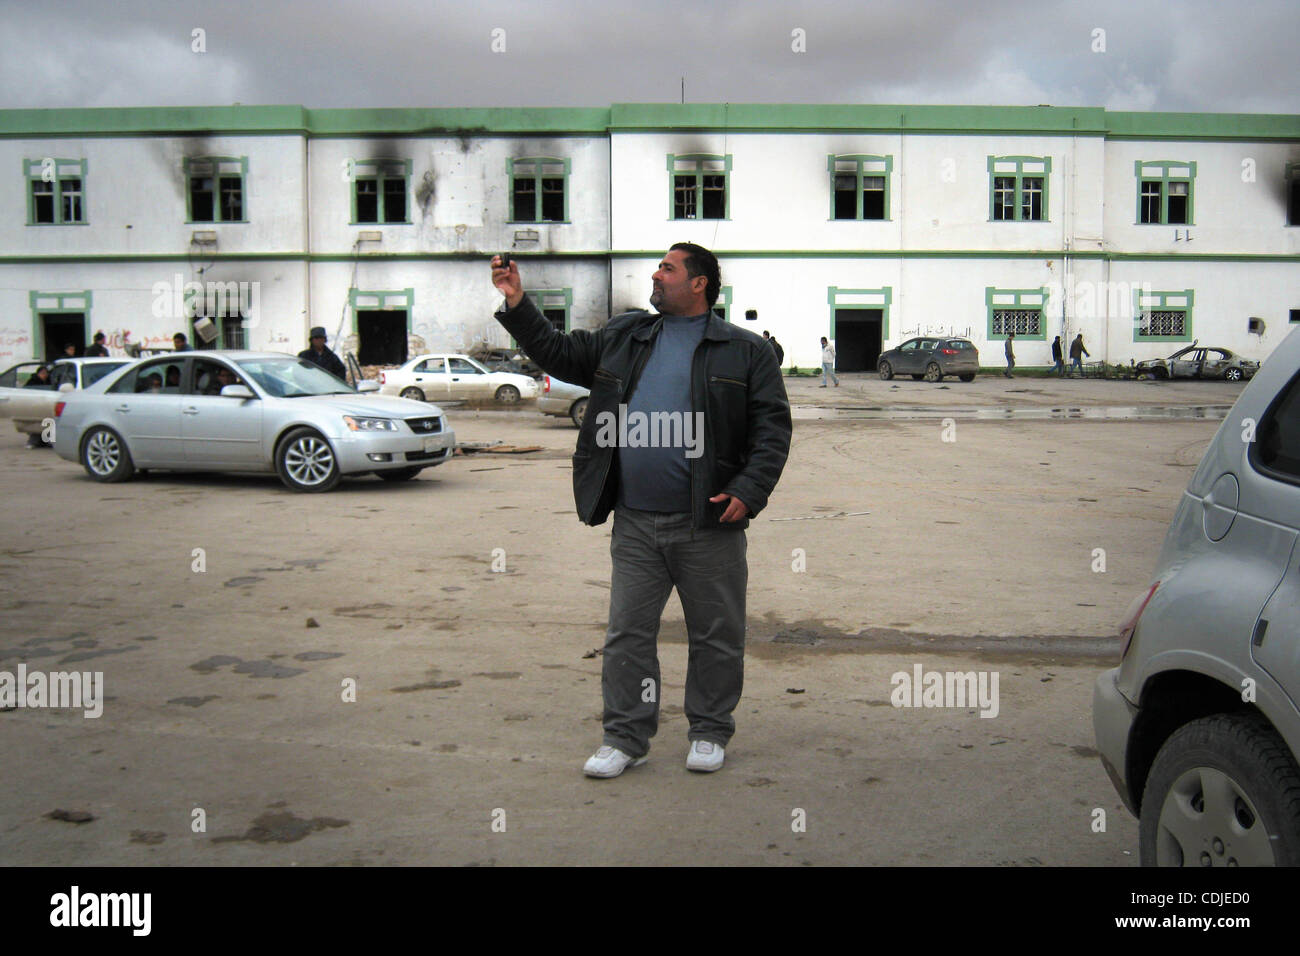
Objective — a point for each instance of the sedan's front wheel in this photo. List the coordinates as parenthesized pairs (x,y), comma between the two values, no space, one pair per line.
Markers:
(104,456)
(1223,791)
(508,395)
(1233,375)
(305,461)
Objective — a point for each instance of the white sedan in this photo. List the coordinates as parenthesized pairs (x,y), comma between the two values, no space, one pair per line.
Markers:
(33,405)
(446,377)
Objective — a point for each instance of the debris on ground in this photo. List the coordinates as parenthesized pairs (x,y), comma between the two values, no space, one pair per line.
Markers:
(494,448)
(71,816)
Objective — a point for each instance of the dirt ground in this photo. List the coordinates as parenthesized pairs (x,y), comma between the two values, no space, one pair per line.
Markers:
(227,739)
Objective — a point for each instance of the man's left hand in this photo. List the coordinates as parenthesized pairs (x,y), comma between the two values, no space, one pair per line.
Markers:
(736,509)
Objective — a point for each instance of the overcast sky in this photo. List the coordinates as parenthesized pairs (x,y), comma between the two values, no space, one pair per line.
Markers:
(1185,55)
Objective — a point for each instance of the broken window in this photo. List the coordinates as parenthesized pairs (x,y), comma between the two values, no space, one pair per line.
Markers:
(395,200)
(216,188)
(699,186)
(860,186)
(55,191)
(42,201)
(1178,193)
(367,200)
(1152,200)
(1031,198)
(1293,195)
(537,189)
(379,190)
(1165,192)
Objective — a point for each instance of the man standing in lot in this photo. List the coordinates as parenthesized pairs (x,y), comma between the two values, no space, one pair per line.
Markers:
(681,491)
(828,363)
(1077,350)
(322,355)
(1011,355)
(776,347)
(98,349)
(180,343)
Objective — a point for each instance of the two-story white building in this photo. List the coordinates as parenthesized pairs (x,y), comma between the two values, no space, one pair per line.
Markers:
(245,226)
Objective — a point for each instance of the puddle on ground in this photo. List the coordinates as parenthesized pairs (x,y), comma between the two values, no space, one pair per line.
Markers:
(1060,412)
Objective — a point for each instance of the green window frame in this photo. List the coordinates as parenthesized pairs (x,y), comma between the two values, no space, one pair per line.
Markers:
(1293,194)
(539,189)
(882,298)
(1018,188)
(1169,312)
(377,185)
(553,303)
(722,308)
(1016,310)
(56,191)
(860,180)
(381,300)
(699,186)
(1165,190)
(225,198)
(42,303)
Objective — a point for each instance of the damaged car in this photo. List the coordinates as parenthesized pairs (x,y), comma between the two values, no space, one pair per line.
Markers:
(1197,361)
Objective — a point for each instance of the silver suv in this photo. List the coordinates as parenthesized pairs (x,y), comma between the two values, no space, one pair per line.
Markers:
(1198,727)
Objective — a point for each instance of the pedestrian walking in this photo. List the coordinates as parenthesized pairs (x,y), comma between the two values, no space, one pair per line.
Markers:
(828,363)
(1058,358)
(1011,355)
(1076,352)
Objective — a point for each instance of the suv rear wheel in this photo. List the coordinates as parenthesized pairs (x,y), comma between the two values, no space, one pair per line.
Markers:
(933,373)
(1223,791)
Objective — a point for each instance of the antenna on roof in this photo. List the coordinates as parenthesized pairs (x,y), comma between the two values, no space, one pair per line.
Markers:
(683,91)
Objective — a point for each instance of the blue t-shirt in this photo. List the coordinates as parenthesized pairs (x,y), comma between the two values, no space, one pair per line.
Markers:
(661,434)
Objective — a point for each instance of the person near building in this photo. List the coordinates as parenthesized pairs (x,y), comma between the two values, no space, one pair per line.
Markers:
(828,363)
(1076,352)
(322,355)
(1058,358)
(97,349)
(776,347)
(180,343)
(681,498)
(1011,355)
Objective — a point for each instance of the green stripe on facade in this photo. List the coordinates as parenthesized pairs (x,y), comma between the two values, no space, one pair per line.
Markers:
(632,117)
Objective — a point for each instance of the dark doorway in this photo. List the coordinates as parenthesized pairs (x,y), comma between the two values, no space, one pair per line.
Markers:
(60,328)
(857,339)
(382,337)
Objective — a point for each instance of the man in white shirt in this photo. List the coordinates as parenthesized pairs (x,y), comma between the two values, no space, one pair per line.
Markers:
(828,363)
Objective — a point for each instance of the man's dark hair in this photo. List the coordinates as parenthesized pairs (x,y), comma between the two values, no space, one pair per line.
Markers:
(100,336)
(700,262)
(181,336)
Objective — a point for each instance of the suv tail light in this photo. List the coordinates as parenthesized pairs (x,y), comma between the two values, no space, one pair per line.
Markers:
(382,379)
(547,386)
(58,409)
(947,351)
(1131,617)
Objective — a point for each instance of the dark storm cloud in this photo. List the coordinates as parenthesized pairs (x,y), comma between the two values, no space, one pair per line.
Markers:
(1200,55)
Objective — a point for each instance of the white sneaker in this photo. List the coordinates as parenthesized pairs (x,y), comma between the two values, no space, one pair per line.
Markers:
(610,762)
(705,756)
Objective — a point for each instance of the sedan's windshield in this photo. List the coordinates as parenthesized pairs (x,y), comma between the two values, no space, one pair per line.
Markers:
(292,377)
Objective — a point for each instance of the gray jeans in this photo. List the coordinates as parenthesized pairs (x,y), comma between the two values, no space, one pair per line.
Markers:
(652,552)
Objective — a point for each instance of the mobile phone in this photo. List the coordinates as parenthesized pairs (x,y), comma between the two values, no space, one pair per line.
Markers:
(505,260)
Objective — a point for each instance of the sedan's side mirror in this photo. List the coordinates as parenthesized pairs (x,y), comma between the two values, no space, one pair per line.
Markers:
(237,391)
(369,385)
(67,387)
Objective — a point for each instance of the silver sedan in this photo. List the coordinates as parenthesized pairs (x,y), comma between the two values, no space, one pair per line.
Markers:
(249,412)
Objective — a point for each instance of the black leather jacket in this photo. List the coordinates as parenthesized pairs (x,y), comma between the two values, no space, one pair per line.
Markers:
(735,381)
